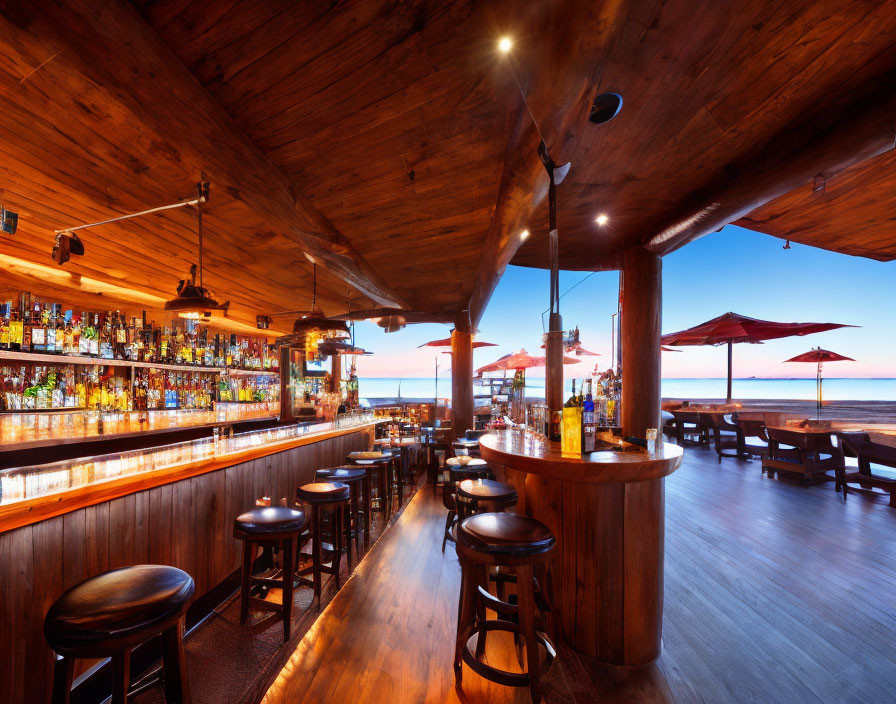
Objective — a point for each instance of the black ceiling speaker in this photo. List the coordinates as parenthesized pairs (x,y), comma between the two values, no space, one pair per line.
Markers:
(606,106)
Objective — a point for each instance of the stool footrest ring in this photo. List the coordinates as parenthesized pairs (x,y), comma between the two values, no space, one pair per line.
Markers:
(503,677)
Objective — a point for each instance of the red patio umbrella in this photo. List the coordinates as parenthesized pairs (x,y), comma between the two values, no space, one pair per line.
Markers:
(732,328)
(519,360)
(579,351)
(447,343)
(819,356)
(667,349)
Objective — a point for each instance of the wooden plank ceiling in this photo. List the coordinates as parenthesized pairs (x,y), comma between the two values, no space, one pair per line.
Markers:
(388,141)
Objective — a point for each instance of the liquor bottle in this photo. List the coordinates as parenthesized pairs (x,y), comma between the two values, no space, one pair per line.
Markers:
(589,426)
(571,426)
(107,339)
(5,317)
(16,330)
(95,336)
(64,321)
(119,335)
(572,401)
(38,330)
(69,338)
(50,315)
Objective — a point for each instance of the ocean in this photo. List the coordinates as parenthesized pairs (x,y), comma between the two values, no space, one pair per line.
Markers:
(835,389)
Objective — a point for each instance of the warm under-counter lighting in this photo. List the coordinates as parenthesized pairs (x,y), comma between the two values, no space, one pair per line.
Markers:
(601,219)
(524,235)
(505,44)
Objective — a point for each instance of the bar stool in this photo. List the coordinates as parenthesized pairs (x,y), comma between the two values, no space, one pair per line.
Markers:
(510,541)
(378,471)
(457,472)
(111,613)
(330,498)
(359,484)
(269,526)
(482,496)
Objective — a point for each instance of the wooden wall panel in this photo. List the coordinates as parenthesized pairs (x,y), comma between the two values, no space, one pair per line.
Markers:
(187,524)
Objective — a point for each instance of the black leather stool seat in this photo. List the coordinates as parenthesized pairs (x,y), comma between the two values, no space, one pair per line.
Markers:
(344,475)
(458,474)
(116,609)
(486,490)
(271,522)
(323,492)
(505,533)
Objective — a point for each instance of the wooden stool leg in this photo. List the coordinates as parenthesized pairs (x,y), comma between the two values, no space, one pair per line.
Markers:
(367,507)
(356,516)
(315,550)
(174,671)
(63,675)
(121,676)
(481,581)
(464,616)
(336,522)
(402,469)
(246,579)
(346,525)
(448,521)
(385,491)
(287,587)
(526,604)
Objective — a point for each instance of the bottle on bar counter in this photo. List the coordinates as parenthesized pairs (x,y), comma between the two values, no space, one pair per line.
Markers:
(589,422)
(571,426)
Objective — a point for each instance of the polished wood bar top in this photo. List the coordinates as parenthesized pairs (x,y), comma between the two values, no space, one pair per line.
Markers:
(20,431)
(23,512)
(525,452)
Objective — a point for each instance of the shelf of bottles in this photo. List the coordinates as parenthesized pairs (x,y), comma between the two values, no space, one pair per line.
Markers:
(23,483)
(55,359)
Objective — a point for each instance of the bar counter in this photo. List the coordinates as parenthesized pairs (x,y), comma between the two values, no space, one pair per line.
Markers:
(606,511)
(89,515)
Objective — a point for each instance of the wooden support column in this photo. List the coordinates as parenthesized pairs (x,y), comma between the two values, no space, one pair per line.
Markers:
(336,373)
(641,321)
(462,376)
(553,376)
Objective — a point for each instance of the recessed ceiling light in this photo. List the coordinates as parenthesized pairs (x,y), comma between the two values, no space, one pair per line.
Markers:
(505,44)
(524,234)
(601,219)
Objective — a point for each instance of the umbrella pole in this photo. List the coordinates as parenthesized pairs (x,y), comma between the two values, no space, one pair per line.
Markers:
(730,345)
(818,393)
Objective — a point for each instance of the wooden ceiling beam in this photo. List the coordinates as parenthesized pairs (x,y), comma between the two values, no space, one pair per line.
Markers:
(107,48)
(561,66)
(823,143)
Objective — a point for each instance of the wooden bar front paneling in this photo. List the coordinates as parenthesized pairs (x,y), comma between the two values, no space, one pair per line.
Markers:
(185,523)
(608,519)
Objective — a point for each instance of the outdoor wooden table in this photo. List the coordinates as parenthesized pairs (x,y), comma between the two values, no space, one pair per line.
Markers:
(606,511)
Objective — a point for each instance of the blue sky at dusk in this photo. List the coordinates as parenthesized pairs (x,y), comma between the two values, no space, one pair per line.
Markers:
(733,270)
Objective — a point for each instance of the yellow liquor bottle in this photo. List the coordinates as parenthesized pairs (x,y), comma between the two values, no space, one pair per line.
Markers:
(571,432)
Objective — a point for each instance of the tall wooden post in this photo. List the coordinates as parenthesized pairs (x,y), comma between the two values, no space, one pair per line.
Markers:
(336,373)
(641,322)
(462,376)
(553,376)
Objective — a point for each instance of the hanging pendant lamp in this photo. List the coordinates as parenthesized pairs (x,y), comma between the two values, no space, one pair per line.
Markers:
(194,301)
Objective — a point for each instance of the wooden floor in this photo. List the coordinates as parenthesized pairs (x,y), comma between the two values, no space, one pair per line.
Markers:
(774,593)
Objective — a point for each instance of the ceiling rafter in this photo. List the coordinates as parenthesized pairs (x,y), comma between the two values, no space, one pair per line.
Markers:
(113,48)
